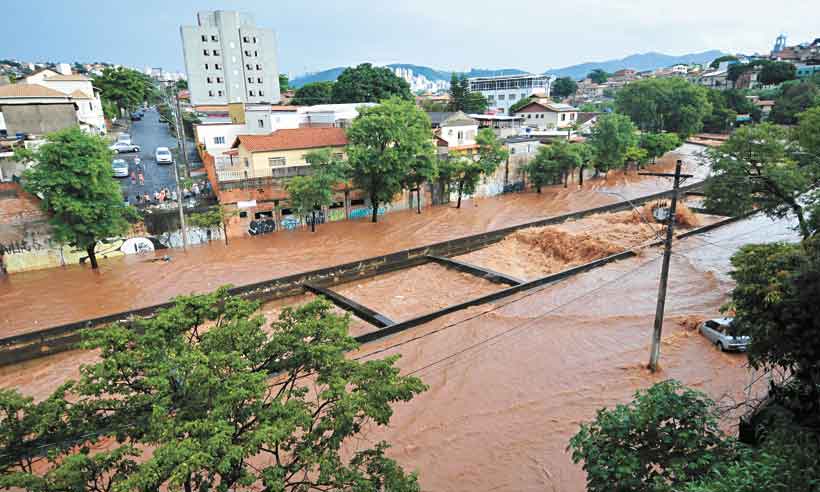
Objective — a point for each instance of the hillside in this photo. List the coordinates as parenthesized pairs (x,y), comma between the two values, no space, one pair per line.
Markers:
(640,62)
(643,61)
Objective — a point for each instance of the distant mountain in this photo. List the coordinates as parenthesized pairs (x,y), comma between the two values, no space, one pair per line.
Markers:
(644,61)
(639,62)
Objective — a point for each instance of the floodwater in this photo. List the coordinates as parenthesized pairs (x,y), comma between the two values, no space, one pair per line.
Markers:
(415,291)
(511,381)
(39,299)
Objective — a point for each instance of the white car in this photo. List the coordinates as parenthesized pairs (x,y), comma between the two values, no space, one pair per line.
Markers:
(122,147)
(163,156)
(124,138)
(719,332)
(120,168)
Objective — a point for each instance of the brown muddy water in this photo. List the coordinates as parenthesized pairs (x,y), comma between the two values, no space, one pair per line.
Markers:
(36,300)
(511,381)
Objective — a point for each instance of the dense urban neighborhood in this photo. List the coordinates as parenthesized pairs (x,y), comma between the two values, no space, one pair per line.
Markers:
(395,277)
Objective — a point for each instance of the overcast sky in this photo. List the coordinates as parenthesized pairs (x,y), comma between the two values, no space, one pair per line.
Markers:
(445,34)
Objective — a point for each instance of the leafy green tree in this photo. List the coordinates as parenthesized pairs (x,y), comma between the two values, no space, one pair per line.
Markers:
(611,138)
(564,87)
(284,82)
(598,76)
(424,169)
(667,436)
(434,106)
(385,141)
(777,73)
(668,104)
(807,133)
(740,104)
(181,85)
(310,193)
(207,395)
(756,168)
(521,103)
(215,217)
(313,93)
(717,61)
(722,118)
(551,163)
(366,83)
(658,144)
(585,153)
(637,155)
(126,88)
(795,97)
(73,177)
(465,172)
(462,98)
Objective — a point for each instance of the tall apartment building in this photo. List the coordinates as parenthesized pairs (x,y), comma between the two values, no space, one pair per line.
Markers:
(504,90)
(228,59)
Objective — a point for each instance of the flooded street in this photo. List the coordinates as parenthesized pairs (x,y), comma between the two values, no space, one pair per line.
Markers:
(39,299)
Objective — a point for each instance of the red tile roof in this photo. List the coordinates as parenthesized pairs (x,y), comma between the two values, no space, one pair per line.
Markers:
(295,138)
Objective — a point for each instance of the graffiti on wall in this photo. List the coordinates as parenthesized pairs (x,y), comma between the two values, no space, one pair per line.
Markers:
(335,214)
(260,226)
(358,213)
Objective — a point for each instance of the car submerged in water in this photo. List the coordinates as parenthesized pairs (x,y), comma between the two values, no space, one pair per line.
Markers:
(719,332)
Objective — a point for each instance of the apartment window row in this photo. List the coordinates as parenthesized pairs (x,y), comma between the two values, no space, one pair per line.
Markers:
(276,161)
(249,39)
(210,80)
(219,140)
(213,38)
(209,52)
(248,53)
(249,66)
(535,115)
(258,80)
(218,93)
(255,93)
(216,66)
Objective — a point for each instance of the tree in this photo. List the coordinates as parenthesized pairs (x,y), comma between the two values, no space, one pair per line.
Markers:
(73,177)
(126,88)
(725,58)
(722,118)
(465,172)
(521,103)
(181,85)
(564,87)
(777,72)
(756,168)
(585,153)
(366,83)
(611,138)
(553,162)
(384,142)
(598,76)
(669,104)
(740,104)
(284,82)
(206,395)
(463,99)
(214,217)
(313,93)
(667,436)
(658,144)
(310,193)
(432,106)
(795,98)
(635,154)
(424,169)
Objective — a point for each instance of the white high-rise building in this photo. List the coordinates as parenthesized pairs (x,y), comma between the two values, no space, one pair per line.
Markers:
(228,59)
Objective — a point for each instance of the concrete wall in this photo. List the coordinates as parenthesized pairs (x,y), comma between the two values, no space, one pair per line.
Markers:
(451,135)
(39,118)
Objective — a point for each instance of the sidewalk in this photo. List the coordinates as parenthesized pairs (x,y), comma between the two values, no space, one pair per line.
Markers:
(37,300)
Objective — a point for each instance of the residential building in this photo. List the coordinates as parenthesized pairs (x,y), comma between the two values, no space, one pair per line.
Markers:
(522,149)
(457,132)
(80,89)
(330,115)
(502,125)
(806,71)
(252,176)
(35,109)
(229,59)
(503,91)
(545,115)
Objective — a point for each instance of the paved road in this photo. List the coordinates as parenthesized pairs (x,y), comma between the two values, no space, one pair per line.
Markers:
(150,133)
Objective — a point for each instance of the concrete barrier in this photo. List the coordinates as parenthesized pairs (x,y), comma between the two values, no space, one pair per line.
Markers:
(64,337)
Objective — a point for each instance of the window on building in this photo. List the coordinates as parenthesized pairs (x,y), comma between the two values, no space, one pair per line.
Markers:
(250,80)
(204,38)
(501,97)
(512,97)
(219,140)
(214,39)
(248,66)
(572,116)
(261,123)
(254,39)
(211,93)
(208,80)
(338,155)
(90,107)
(259,67)
(460,135)
(220,93)
(255,53)
(276,161)
(206,66)
(563,116)
(247,162)
(244,39)
(219,80)
(247,52)
(217,66)
(250,93)
(512,150)
(528,116)
(206,52)
(258,80)
(216,52)
(261,93)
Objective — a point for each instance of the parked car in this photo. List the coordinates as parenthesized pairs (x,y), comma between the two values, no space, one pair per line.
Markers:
(719,332)
(122,147)
(124,138)
(136,116)
(120,168)
(163,156)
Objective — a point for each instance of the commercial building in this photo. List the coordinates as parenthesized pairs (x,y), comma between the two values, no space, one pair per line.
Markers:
(229,59)
(503,91)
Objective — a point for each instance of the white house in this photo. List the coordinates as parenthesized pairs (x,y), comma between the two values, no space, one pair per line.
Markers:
(330,115)
(458,131)
(80,89)
(543,114)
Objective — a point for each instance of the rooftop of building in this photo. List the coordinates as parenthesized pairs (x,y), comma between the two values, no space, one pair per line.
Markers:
(550,106)
(290,139)
(73,77)
(500,77)
(29,90)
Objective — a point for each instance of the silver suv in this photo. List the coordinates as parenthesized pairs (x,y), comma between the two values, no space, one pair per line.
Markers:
(717,331)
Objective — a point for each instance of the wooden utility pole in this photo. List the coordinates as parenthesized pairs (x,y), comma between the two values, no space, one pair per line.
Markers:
(667,255)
